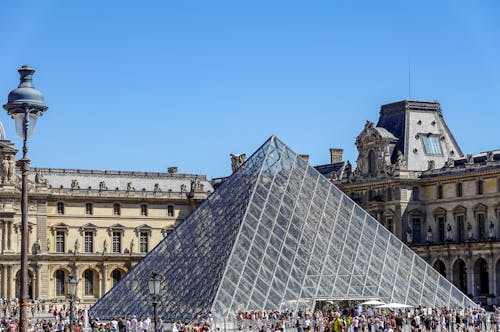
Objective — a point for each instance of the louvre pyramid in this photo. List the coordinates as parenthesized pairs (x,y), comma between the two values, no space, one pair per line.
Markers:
(277,235)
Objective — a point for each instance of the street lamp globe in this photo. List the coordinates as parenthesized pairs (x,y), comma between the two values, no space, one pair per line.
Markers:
(154,284)
(25,103)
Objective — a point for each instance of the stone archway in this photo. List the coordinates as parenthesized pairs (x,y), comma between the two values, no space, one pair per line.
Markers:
(481,277)
(31,284)
(440,267)
(460,275)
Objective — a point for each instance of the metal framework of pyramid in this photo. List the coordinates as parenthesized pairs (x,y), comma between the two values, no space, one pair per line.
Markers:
(277,235)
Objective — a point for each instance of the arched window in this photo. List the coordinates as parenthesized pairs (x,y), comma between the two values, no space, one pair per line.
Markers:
(60,291)
(440,267)
(372,165)
(88,276)
(116,275)
(481,277)
(460,275)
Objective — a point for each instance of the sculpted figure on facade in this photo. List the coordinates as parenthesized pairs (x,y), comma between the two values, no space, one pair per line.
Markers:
(489,156)
(491,230)
(74,184)
(237,160)
(450,163)
(409,236)
(8,170)
(400,161)
(429,234)
(347,171)
(39,178)
(469,231)
(129,187)
(102,186)
(449,235)
(183,188)
(157,188)
(196,184)
(431,165)
(77,245)
(470,159)
(105,246)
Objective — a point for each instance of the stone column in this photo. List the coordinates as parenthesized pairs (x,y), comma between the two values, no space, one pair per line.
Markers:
(491,275)
(9,235)
(104,275)
(2,233)
(470,276)
(10,282)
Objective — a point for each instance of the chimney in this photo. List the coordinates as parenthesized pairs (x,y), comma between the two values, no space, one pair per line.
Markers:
(304,157)
(336,155)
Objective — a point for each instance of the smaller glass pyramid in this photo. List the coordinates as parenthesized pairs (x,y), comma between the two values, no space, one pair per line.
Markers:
(277,235)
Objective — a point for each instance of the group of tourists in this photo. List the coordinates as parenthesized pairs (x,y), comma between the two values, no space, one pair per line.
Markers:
(369,319)
(55,316)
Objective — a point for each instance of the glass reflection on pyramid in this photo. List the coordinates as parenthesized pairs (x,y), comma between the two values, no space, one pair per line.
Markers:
(277,235)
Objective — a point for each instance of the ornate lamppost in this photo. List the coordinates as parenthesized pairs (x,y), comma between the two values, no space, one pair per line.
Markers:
(72,287)
(154,291)
(25,104)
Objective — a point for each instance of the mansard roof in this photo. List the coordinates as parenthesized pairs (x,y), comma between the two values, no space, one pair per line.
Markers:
(121,180)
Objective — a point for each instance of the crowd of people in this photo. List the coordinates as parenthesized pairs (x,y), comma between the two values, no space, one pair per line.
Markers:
(369,319)
(56,316)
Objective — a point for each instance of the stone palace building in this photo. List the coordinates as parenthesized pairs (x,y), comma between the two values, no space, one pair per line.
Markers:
(95,224)
(412,176)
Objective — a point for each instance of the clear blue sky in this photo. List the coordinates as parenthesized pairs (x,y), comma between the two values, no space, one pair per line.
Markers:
(144,85)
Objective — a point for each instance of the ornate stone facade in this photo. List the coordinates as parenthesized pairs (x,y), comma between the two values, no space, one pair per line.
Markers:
(96,224)
(420,186)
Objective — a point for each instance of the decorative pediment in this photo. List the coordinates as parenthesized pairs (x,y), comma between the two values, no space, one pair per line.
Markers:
(59,227)
(116,228)
(88,228)
(17,227)
(439,211)
(143,228)
(460,209)
(480,207)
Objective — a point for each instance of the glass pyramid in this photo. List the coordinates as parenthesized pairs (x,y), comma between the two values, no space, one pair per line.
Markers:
(277,235)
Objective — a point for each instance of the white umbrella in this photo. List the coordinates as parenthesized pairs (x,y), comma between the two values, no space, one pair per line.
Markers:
(394,305)
(372,302)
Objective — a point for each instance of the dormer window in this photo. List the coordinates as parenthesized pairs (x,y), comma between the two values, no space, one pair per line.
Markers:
(432,145)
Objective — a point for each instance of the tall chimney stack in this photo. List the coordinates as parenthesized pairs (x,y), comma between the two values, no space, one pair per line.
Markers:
(336,155)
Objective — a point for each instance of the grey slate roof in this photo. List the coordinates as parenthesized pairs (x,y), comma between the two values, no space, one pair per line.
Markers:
(57,178)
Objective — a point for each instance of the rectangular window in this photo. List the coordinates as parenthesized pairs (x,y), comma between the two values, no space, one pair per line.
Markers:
(459,189)
(60,208)
(432,145)
(143,242)
(439,191)
(440,221)
(60,241)
(414,194)
(480,225)
(89,209)
(117,242)
(170,210)
(89,241)
(479,187)
(116,209)
(416,232)
(460,227)
(144,210)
